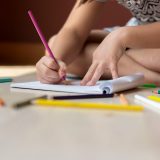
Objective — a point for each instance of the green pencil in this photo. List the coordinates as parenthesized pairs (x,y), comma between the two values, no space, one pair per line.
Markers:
(5,80)
(149,86)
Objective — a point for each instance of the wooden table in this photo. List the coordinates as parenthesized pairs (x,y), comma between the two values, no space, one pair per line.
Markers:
(36,133)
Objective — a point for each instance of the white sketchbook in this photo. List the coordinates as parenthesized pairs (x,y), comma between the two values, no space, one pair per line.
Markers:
(107,86)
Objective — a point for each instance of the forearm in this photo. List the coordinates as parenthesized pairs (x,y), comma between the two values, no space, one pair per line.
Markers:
(146,57)
(75,31)
(66,45)
(145,36)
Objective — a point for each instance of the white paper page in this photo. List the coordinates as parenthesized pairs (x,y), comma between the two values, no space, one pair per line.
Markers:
(110,86)
(73,88)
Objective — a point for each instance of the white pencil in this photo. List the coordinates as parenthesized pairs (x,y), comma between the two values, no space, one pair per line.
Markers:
(149,103)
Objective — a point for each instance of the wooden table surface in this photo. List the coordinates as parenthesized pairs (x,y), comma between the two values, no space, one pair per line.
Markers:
(37,133)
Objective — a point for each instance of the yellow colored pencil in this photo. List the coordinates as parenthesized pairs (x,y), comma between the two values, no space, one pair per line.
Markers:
(86,105)
(154,98)
(123,99)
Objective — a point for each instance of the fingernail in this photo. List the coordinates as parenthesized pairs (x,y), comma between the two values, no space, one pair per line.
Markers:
(89,84)
(82,83)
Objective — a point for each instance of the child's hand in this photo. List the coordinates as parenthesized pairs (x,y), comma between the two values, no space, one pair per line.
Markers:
(106,57)
(48,71)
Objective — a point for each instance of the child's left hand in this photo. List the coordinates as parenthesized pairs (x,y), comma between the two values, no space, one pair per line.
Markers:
(106,57)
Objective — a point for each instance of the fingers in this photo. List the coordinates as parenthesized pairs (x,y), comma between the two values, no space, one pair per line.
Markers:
(45,73)
(50,63)
(44,80)
(62,70)
(114,70)
(95,72)
(47,70)
(97,75)
(89,74)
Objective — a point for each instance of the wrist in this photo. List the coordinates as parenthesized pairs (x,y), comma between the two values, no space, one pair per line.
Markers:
(66,45)
(122,35)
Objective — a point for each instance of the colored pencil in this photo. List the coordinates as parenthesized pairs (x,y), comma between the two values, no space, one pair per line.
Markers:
(2,103)
(149,86)
(41,35)
(43,39)
(25,103)
(149,103)
(5,79)
(86,105)
(87,96)
(154,98)
(123,99)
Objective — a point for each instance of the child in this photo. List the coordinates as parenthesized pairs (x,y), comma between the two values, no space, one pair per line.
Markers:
(101,54)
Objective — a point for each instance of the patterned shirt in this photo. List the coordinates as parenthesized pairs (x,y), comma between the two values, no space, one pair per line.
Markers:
(145,11)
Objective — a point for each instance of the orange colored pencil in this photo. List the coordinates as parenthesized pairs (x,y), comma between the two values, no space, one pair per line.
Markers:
(1,102)
(123,99)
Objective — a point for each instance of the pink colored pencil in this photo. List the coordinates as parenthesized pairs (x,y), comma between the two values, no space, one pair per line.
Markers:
(41,35)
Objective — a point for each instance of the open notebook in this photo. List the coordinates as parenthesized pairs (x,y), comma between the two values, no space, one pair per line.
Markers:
(107,86)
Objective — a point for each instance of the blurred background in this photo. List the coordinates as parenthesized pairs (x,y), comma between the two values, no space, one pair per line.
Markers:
(19,42)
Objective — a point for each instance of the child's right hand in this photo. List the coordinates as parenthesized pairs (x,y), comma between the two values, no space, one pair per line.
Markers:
(48,71)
